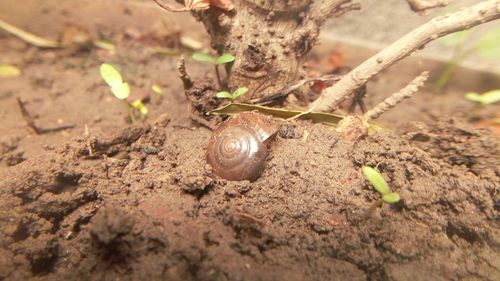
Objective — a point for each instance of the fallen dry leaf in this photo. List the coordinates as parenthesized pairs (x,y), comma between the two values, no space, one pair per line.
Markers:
(226,5)
(197,4)
(7,70)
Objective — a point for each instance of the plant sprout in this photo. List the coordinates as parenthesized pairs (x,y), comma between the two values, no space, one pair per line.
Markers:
(378,182)
(216,61)
(121,90)
(485,98)
(227,95)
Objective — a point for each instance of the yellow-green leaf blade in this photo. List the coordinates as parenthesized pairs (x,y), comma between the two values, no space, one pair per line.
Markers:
(139,105)
(7,70)
(157,89)
(491,97)
(486,98)
(203,57)
(225,58)
(121,92)
(112,77)
(376,179)
(224,95)
(391,198)
(239,92)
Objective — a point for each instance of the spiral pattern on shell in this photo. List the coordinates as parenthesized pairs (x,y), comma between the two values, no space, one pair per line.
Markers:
(237,150)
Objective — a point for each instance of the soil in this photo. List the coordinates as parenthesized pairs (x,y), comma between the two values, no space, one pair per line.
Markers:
(143,204)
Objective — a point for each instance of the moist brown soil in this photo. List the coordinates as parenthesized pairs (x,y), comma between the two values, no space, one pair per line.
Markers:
(145,205)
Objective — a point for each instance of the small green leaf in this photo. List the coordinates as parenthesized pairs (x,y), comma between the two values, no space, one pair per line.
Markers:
(376,179)
(157,89)
(225,58)
(122,91)
(7,70)
(391,198)
(239,92)
(224,95)
(455,39)
(137,104)
(489,44)
(486,98)
(112,77)
(203,57)
(472,96)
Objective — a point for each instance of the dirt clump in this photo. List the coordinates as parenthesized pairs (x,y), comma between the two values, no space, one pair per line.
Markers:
(146,205)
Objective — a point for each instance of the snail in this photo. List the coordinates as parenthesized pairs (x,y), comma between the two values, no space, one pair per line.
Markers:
(238,148)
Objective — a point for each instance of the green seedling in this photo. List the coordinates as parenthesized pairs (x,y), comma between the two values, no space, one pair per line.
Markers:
(485,98)
(378,182)
(463,44)
(121,90)
(227,95)
(216,61)
(204,57)
(481,100)
(157,89)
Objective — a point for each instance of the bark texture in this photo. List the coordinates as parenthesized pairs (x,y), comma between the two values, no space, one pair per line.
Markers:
(268,38)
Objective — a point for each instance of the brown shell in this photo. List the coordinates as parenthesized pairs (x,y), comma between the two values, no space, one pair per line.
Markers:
(237,149)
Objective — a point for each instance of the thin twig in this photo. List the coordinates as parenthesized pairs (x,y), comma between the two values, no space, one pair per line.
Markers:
(322,10)
(31,122)
(217,74)
(181,69)
(27,117)
(398,97)
(89,143)
(374,206)
(415,40)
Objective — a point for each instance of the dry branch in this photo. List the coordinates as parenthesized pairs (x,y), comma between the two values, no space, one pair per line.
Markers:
(319,12)
(423,5)
(398,97)
(181,69)
(415,40)
(322,10)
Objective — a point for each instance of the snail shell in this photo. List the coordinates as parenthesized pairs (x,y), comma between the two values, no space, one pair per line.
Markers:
(238,149)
